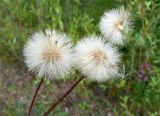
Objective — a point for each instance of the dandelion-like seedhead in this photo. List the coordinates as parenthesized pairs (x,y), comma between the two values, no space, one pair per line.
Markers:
(49,53)
(113,23)
(96,59)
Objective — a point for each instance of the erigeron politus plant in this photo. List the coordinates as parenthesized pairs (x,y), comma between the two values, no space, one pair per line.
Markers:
(113,24)
(96,59)
(51,54)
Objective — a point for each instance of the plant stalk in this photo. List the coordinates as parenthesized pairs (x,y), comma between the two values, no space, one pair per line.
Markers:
(60,100)
(35,94)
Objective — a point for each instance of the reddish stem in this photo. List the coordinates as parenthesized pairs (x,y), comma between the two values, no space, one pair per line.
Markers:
(57,102)
(35,94)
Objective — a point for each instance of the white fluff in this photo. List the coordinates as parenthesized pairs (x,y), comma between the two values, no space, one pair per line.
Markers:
(113,23)
(96,59)
(49,53)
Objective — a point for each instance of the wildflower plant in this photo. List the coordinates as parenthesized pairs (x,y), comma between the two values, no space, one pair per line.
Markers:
(51,54)
(113,24)
(144,72)
(96,59)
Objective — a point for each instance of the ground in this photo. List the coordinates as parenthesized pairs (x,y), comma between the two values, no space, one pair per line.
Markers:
(17,87)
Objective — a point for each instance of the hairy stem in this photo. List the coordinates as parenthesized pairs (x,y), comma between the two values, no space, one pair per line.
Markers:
(57,102)
(35,94)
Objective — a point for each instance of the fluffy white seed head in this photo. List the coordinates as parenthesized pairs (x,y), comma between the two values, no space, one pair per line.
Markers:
(96,59)
(49,53)
(113,23)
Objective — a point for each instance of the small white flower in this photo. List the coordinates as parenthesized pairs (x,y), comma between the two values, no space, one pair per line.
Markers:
(49,53)
(96,59)
(113,23)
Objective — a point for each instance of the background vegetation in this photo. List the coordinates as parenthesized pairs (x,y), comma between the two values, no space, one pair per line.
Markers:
(136,94)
